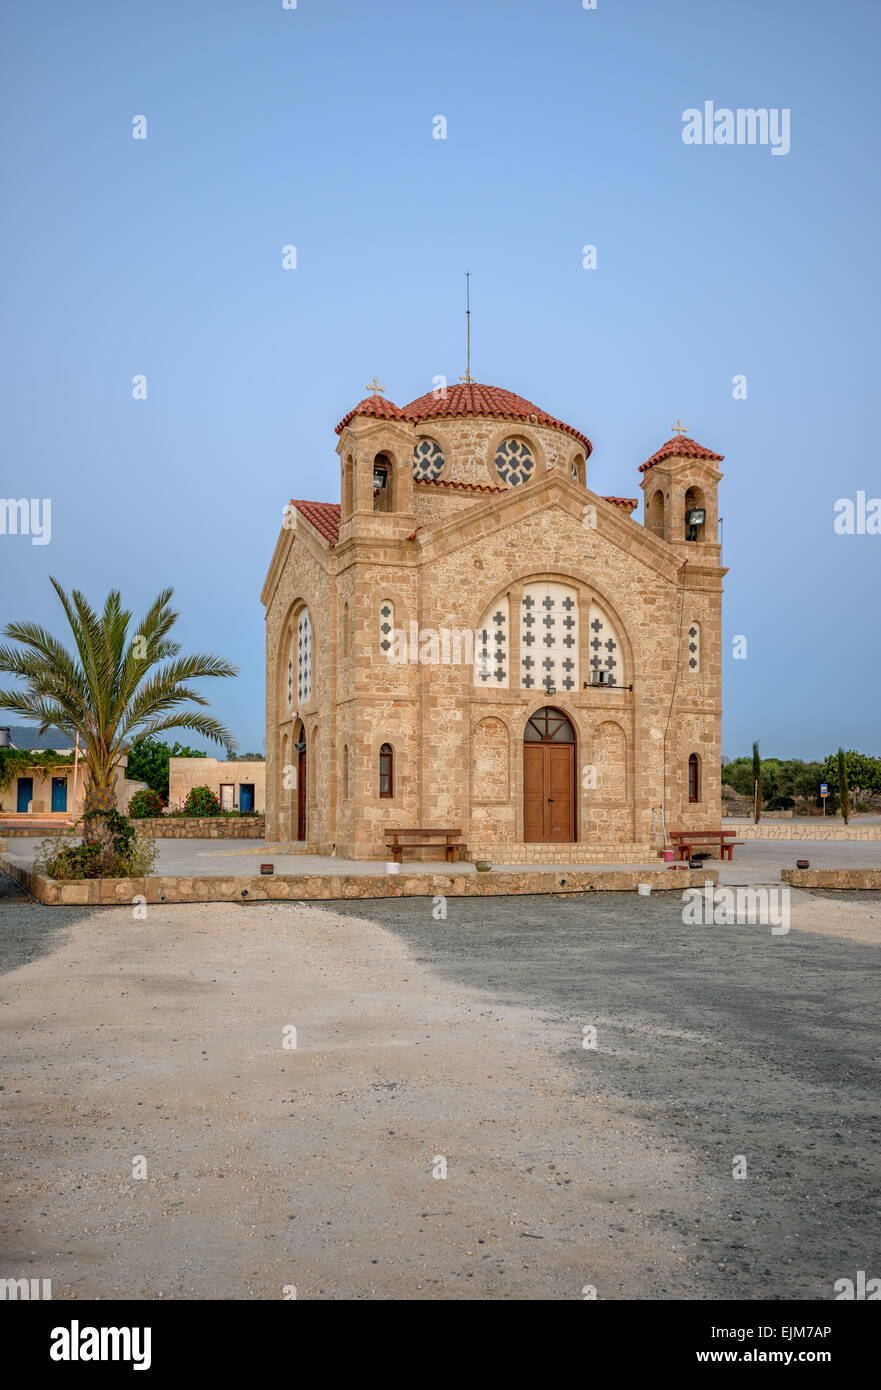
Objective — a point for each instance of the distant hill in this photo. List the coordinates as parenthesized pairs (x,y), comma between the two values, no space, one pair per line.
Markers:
(28,740)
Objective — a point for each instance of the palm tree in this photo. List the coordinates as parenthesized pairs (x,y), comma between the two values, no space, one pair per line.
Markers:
(112,689)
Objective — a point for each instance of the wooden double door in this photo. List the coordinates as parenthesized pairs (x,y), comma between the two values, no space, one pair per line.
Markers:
(549,779)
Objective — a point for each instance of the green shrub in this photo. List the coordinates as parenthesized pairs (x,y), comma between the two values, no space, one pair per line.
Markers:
(146,804)
(64,857)
(201,802)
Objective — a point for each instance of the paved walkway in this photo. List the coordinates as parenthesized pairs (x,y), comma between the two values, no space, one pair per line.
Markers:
(758,861)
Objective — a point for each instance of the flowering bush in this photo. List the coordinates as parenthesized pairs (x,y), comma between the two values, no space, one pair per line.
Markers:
(201,802)
(145,803)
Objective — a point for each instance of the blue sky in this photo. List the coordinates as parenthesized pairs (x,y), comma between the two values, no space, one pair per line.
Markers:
(313,127)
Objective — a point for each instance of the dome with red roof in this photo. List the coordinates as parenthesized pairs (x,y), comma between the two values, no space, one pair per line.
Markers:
(681,447)
(472,398)
(376,406)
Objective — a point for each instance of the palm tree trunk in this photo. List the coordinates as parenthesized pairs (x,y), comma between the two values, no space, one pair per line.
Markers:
(99,800)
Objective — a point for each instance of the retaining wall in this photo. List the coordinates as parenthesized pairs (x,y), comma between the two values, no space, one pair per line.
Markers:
(249,888)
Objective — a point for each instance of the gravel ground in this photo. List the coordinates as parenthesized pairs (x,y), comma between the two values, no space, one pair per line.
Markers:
(418,1038)
(723,1041)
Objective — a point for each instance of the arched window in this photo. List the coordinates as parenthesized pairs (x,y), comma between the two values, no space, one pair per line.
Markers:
(606,665)
(386,771)
(549,637)
(694,776)
(548,725)
(491,646)
(304,657)
(576,469)
(695,514)
(383,484)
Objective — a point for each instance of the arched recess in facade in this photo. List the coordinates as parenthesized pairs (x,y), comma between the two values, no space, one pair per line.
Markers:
(294,685)
(564,629)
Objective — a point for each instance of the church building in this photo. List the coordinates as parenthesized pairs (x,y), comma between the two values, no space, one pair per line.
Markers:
(474,639)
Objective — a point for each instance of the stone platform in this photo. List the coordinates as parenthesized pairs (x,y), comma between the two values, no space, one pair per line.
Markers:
(413,880)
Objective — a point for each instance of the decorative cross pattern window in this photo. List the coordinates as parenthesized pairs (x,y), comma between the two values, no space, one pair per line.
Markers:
(304,658)
(428,460)
(694,648)
(291,674)
(514,461)
(605,650)
(386,625)
(491,647)
(549,637)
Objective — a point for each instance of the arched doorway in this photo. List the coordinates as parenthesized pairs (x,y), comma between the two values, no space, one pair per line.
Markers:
(549,778)
(300,751)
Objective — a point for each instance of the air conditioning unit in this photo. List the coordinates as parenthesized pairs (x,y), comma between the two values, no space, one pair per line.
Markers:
(600,677)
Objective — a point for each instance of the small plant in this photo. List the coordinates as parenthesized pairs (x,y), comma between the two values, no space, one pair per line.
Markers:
(201,802)
(146,804)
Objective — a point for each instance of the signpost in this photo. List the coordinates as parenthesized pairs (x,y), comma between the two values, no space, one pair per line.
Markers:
(824,792)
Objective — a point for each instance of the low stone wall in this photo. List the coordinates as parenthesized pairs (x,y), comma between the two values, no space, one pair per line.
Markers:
(21,830)
(165,828)
(110,892)
(793,830)
(202,827)
(832,878)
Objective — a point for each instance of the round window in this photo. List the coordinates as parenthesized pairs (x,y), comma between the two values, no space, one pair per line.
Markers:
(514,461)
(428,460)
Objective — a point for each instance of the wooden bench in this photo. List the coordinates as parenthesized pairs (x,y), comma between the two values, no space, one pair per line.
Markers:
(448,839)
(685,841)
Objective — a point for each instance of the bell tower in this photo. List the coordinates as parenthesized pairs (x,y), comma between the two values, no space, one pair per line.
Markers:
(680,485)
(376,470)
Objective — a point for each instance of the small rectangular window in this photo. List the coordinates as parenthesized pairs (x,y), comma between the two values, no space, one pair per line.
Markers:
(386,771)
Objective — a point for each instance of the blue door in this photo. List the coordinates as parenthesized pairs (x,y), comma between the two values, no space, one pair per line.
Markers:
(25,793)
(59,793)
(246,796)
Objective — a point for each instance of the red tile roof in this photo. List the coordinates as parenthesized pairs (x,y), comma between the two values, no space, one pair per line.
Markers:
(471,398)
(630,502)
(680,447)
(377,406)
(324,516)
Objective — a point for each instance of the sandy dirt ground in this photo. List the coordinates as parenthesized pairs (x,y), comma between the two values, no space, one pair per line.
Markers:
(269,1167)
